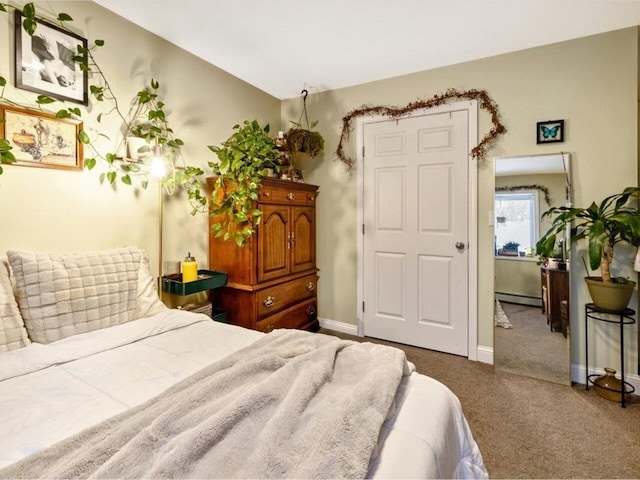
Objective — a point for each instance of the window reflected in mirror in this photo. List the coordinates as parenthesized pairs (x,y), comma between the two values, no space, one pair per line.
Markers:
(516,223)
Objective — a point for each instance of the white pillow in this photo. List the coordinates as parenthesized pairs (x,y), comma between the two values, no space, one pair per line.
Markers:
(12,332)
(63,294)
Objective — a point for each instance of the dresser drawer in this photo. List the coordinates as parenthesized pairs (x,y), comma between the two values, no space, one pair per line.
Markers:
(304,316)
(275,299)
(289,196)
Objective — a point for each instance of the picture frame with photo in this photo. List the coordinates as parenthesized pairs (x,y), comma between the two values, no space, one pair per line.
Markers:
(40,139)
(44,62)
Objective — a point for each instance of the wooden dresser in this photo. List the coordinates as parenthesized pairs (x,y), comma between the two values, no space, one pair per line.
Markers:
(272,279)
(555,298)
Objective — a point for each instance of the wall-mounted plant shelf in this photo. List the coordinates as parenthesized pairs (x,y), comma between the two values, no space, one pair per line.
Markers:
(207,280)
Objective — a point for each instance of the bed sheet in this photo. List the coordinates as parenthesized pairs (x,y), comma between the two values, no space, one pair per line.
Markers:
(49,392)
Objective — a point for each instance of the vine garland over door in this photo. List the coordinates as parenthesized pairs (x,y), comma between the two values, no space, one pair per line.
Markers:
(478,152)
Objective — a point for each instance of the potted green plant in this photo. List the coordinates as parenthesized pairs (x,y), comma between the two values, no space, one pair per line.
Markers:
(299,139)
(616,219)
(242,160)
(509,249)
(304,140)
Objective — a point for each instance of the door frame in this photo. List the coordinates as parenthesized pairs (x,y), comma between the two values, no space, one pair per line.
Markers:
(471,107)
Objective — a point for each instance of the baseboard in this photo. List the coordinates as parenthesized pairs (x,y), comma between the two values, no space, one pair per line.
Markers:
(579,375)
(519,299)
(336,326)
(485,354)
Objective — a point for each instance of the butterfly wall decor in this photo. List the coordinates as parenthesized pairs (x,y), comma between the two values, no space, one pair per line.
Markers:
(551,131)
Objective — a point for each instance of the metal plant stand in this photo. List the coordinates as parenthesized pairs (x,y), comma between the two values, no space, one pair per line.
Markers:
(624,317)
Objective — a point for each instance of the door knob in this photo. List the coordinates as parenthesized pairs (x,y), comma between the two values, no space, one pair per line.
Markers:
(460,245)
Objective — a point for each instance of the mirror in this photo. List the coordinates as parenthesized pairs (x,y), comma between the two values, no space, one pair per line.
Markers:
(531,327)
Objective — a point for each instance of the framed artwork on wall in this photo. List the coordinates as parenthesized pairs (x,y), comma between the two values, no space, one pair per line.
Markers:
(551,131)
(44,62)
(39,139)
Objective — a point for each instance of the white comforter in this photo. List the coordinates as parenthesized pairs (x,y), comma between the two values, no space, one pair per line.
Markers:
(49,392)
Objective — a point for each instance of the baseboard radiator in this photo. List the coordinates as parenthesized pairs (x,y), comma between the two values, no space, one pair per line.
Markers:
(519,299)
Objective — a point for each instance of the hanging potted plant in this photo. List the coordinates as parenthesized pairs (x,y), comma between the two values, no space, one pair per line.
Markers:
(304,140)
(616,219)
(242,160)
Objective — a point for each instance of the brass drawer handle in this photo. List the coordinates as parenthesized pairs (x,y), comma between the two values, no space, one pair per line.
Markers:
(311,286)
(291,196)
(311,198)
(269,301)
(311,310)
(268,329)
(266,194)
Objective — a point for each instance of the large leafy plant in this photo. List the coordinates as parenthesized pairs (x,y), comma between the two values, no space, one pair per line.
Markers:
(615,219)
(242,159)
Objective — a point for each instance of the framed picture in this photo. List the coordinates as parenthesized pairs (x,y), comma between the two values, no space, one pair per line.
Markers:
(551,131)
(45,62)
(39,139)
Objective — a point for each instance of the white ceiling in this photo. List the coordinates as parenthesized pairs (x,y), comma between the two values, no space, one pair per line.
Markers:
(283,46)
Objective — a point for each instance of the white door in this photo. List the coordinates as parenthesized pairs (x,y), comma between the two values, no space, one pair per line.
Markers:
(415,216)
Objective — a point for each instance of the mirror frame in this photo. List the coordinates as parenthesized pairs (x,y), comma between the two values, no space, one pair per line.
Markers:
(565,157)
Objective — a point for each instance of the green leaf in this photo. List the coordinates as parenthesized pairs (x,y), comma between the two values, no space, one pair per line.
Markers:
(3,7)
(240,240)
(44,100)
(89,163)
(64,17)
(3,81)
(63,114)
(29,26)
(126,180)
(154,84)
(111,176)
(99,43)
(29,10)
(7,157)
(83,137)
(110,157)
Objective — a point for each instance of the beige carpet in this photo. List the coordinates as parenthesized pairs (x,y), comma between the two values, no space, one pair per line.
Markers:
(528,428)
(530,348)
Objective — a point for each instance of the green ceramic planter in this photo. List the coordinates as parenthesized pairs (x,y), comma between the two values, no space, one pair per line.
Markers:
(610,296)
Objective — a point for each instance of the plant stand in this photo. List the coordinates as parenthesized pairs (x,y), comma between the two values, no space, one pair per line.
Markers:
(624,317)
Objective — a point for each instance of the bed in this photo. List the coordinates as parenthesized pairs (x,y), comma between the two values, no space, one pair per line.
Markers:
(87,351)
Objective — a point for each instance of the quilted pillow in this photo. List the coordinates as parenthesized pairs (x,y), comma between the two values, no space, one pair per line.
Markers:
(12,332)
(63,294)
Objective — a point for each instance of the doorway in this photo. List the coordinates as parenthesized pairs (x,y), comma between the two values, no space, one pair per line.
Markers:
(417,258)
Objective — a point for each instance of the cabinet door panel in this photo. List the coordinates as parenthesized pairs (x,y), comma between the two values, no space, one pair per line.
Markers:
(303,255)
(273,244)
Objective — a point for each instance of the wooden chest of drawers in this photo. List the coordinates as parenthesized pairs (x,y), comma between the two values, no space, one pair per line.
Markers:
(273,278)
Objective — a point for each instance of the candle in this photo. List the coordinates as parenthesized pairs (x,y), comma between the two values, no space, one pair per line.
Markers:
(189,269)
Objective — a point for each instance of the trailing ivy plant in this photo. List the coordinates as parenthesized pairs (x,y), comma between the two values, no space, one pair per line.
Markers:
(149,121)
(242,159)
